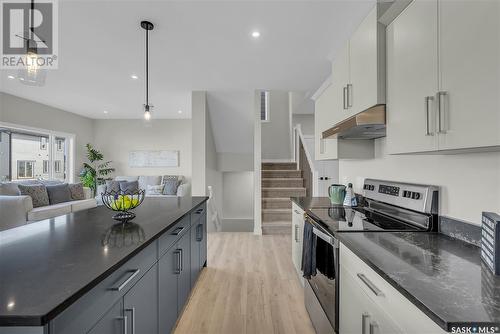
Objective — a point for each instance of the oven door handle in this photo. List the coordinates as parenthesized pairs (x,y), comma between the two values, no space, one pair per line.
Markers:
(324,236)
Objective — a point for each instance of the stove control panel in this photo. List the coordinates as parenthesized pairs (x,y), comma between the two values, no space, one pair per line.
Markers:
(422,198)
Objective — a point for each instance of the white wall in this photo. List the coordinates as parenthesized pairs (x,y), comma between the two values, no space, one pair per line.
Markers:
(470,183)
(275,134)
(116,138)
(213,177)
(199,119)
(20,111)
(306,121)
(238,207)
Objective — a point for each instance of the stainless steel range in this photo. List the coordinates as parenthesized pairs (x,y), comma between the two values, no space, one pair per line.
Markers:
(389,207)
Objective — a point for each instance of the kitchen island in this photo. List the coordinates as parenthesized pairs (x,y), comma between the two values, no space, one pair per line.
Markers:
(80,272)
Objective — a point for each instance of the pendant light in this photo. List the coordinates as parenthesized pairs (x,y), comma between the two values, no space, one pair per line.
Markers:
(147,26)
(31,74)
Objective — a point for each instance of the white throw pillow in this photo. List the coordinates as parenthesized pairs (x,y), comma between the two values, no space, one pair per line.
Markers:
(155,190)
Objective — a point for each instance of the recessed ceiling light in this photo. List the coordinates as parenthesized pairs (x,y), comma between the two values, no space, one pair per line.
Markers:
(255,34)
(105,111)
(180,111)
(135,77)
(11,77)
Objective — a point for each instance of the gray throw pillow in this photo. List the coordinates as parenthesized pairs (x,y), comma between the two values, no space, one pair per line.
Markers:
(9,189)
(76,190)
(129,187)
(37,192)
(113,186)
(170,187)
(58,193)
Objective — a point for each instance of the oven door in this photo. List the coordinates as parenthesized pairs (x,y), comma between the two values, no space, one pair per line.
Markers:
(325,283)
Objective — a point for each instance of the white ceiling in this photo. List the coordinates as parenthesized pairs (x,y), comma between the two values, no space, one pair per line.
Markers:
(196,45)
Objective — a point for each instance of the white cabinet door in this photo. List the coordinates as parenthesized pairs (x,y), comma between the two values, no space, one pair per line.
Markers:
(411,77)
(341,80)
(323,120)
(358,312)
(469,33)
(367,82)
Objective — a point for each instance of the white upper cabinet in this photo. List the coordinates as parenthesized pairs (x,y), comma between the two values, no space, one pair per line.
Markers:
(366,87)
(443,73)
(412,81)
(469,62)
(340,79)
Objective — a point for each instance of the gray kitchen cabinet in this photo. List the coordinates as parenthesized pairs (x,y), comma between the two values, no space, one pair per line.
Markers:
(184,276)
(195,251)
(140,305)
(112,322)
(168,269)
(203,245)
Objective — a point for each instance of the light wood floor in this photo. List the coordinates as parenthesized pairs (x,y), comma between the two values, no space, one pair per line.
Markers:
(249,286)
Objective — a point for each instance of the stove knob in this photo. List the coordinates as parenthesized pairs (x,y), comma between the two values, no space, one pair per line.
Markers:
(415,196)
(372,187)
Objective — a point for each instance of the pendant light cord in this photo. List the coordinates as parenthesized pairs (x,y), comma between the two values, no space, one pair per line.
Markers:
(147,67)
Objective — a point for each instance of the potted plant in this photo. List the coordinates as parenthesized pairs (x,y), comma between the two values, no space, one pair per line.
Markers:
(95,172)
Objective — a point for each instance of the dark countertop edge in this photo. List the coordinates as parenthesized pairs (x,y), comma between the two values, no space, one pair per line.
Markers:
(42,320)
(421,306)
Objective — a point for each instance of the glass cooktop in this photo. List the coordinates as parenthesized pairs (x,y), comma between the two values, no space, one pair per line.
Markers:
(343,219)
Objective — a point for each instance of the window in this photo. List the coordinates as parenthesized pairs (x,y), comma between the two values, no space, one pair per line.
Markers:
(57,166)
(45,169)
(35,154)
(25,169)
(43,143)
(264,106)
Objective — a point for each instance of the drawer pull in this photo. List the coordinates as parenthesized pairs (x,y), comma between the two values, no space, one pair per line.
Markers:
(178,230)
(370,285)
(199,211)
(127,281)
(297,212)
(365,316)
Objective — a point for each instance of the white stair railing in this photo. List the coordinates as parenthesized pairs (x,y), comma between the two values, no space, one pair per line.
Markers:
(298,142)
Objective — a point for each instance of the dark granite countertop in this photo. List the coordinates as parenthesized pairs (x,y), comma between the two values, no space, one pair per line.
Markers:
(308,203)
(442,276)
(47,265)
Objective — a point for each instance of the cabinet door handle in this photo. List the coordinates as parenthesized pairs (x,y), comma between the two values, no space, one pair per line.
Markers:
(373,327)
(177,253)
(125,322)
(178,230)
(441,111)
(427,109)
(132,318)
(370,285)
(345,97)
(296,233)
(199,232)
(349,96)
(181,256)
(365,316)
(132,273)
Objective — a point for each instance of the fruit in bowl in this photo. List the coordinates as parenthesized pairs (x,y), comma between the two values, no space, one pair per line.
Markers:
(123,202)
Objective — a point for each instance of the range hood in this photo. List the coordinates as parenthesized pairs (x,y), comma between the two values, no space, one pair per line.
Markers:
(368,124)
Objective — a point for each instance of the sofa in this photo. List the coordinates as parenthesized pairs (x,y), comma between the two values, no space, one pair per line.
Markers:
(18,209)
(146,182)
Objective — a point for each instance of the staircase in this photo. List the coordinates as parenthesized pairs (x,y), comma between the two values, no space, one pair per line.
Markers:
(280,181)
